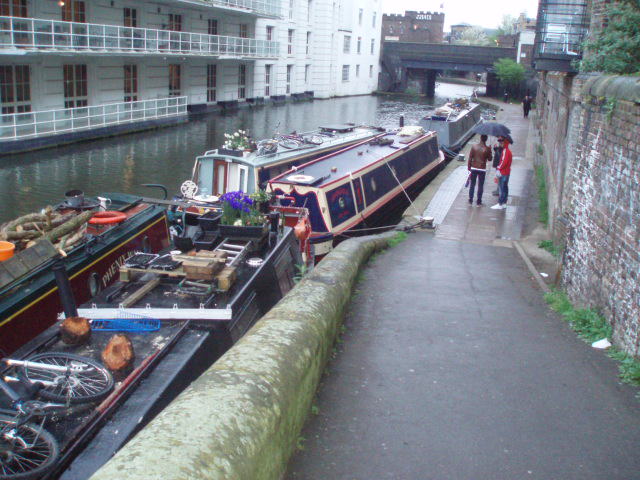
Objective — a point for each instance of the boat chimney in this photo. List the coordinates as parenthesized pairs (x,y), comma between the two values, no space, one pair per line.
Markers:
(401,121)
(64,289)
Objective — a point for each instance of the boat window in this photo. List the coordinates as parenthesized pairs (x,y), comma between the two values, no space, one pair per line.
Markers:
(242,177)
(94,284)
(220,177)
(145,244)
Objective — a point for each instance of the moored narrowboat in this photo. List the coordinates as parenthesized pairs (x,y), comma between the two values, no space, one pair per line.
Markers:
(453,122)
(362,188)
(29,297)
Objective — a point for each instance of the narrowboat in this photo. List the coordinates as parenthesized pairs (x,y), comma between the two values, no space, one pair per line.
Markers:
(453,123)
(219,171)
(29,300)
(363,188)
(179,319)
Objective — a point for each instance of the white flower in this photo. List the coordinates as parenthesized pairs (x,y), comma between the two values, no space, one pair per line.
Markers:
(237,223)
(236,134)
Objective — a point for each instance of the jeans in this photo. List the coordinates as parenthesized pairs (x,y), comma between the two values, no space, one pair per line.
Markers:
(476,174)
(503,188)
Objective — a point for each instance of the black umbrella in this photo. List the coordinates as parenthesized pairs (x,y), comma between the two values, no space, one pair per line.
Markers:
(492,128)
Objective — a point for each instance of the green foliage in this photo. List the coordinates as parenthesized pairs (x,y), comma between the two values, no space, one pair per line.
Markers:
(508,25)
(610,107)
(473,36)
(301,270)
(315,410)
(550,247)
(539,149)
(558,302)
(509,73)
(300,443)
(399,237)
(543,202)
(616,48)
(629,366)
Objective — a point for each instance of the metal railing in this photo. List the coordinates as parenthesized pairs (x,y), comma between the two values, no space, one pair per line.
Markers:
(260,7)
(16,126)
(58,36)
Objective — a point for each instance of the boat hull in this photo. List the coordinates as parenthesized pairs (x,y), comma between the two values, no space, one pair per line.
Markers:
(32,307)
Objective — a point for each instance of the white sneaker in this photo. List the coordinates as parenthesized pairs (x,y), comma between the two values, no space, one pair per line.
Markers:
(497,206)
(503,206)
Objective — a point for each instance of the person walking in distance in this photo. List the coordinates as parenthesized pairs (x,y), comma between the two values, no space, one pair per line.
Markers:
(526,105)
(479,155)
(504,170)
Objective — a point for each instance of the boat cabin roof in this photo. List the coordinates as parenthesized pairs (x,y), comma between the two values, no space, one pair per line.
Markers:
(331,134)
(346,162)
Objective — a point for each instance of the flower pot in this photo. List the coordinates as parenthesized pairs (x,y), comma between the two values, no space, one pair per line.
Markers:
(230,153)
(244,232)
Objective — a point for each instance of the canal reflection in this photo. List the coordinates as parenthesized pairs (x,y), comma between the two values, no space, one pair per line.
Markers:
(30,181)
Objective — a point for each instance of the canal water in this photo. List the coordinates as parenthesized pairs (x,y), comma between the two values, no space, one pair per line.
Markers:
(30,181)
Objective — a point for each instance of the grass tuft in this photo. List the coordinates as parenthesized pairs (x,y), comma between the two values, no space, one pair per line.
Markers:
(398,238)
(543,203)
(550,247)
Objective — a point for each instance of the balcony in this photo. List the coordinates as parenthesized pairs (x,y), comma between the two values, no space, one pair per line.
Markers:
(258,7)
(560,31)
(18,126)
(29,35)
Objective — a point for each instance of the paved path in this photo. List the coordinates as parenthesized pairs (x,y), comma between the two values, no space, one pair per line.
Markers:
(452,367)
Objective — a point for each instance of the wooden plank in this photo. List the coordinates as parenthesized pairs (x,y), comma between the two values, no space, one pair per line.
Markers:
(125,272)
(141,292)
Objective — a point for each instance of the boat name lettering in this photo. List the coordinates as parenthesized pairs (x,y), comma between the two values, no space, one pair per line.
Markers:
(115,267)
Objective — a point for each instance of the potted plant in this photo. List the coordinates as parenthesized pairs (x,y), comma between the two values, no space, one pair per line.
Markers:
(240,218)
(235,144)
(261,198)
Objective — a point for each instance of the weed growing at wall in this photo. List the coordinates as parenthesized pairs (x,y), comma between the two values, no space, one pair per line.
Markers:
(550,247)
(543,203)
(399,237)
(591,326)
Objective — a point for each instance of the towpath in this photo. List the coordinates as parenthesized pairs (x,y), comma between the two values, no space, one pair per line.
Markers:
(452,366)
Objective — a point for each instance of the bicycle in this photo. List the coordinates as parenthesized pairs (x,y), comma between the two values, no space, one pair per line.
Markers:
(294,140)
(27,450)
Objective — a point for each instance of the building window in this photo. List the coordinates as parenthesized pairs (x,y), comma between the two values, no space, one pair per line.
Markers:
(244,30)
(360,17)
(267,80)
(373,21)
(212,26)
(75,86)
(174,80)
(346,48)
(290,42)
(370,71)
(269,33)
(289,72)
(290,9)
(130,83)
(74,11)
(345,73)
(130,17)
(308,46)
(373,45)
(212,80)
(357,71)
(359,45)
(242,81)
(307,71)
(175,22)
(13,8)
(15,89)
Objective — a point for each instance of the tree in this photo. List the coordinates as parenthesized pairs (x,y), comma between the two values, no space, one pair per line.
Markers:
(509,73)
(508,25)
(616,48)
(473,36)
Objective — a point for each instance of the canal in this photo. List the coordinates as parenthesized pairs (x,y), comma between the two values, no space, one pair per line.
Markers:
(30,181)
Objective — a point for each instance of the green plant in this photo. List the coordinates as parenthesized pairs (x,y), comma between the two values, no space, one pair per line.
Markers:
(300,442)
(509,73)
(238,209)
(615,48)
(539,149)
(315,410)
(629,366)
(399,237)
(610,107)
(543,202)
(260,196)
(301,270)
(237,140)
(550,247)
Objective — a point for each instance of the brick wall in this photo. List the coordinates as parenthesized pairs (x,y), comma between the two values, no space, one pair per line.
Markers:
(589,127)
(422,27)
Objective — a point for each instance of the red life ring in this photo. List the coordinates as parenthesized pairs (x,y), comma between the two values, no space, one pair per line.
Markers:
(107,217)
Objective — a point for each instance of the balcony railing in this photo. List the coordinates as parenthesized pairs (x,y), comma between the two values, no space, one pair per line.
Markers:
(16,126)
(259,7)
(57,36)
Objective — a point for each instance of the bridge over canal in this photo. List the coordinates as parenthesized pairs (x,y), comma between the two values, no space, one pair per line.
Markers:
(404,61)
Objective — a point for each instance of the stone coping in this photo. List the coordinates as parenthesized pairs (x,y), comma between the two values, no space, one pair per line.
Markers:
(613,86)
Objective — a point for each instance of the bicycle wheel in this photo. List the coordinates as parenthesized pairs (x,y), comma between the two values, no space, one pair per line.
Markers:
(288,143)
(314,139)
(26,451)
(85,380)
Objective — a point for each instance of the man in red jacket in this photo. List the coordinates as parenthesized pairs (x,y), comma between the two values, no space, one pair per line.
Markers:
(504,170)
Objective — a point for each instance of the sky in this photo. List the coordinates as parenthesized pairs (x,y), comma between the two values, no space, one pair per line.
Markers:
(487,13)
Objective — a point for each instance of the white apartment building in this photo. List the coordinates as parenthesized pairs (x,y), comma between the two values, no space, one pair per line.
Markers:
(74,68)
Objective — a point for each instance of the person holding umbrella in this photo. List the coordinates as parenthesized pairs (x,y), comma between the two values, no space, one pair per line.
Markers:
(504,170)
